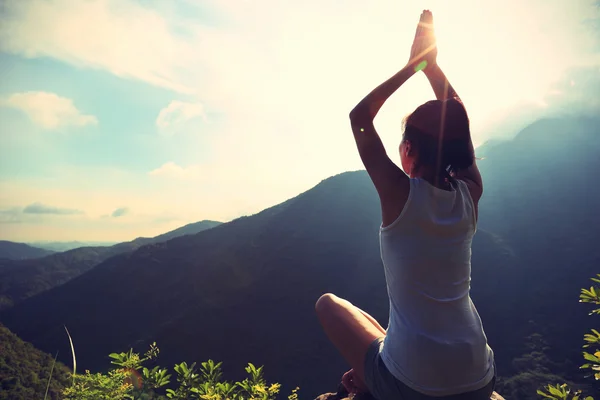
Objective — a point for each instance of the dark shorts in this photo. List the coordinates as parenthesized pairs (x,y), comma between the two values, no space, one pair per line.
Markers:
(383,385)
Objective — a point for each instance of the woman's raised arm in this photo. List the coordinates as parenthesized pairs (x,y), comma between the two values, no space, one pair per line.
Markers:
(386,176)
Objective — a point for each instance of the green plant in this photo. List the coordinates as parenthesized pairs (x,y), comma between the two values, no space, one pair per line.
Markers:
(187,378)
(156,377)
(562,392)
(88,386)
(256,387)
(50,377)
(73,354)
(294,394)
(132,380)
(132,360)
(592,341)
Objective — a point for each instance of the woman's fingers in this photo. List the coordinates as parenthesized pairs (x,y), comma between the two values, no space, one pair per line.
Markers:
(428,19)
(424,36)
(348,382)
(425,25)
(418,31)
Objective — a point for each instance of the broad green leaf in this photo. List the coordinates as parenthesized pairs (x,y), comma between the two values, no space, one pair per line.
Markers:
(555,391)
(541,393)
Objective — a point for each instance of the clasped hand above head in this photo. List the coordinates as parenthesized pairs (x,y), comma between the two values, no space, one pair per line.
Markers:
(423,52)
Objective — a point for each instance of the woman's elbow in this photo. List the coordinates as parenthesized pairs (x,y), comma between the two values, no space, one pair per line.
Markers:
(360,113)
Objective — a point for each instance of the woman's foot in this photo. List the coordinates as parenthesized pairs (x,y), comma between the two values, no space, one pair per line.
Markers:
(353,384)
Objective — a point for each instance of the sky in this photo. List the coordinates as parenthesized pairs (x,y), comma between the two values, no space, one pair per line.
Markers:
(125,118)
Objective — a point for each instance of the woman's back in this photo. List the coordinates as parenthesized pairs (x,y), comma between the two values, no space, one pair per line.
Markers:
(435,341)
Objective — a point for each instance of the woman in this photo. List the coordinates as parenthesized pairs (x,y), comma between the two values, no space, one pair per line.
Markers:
(435,345)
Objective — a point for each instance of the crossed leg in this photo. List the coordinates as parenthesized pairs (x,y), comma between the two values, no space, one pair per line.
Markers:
(350,329)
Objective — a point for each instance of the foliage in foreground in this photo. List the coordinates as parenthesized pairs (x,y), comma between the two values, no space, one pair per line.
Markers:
(131,379)
(592,342)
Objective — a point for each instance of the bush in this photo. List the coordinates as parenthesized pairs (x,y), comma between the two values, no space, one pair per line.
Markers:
(130,379)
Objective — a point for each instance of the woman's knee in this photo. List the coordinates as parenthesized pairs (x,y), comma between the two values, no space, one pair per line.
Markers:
(325,303)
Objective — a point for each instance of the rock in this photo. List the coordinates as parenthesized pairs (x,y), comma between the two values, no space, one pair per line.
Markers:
(342,394)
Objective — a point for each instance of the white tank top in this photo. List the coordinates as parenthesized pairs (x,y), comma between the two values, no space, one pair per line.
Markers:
(435,341)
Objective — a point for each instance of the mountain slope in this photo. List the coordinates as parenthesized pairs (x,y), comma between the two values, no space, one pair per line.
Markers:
(541,195)
(24,370)
(245,290)
(20,251)
(25,278)
(189,229)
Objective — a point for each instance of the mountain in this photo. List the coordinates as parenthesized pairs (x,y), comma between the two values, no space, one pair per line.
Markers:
(24,370)
(541,196)
(245,290)
(189,229)
(20,251)
(25,278)
(66,246)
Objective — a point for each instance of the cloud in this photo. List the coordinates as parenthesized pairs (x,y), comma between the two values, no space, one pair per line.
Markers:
(11,216)
(574,93)
(179,112)
(39,208)
(119,212)
(173,171)
(120,36)
(49,110)
(283,90)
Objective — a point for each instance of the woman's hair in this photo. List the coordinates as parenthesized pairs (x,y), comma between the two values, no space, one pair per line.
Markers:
(439,133)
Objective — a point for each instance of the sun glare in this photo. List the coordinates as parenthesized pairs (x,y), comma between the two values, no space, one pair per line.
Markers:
(194,96)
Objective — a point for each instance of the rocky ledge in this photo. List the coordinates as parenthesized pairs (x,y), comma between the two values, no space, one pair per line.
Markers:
(342,394)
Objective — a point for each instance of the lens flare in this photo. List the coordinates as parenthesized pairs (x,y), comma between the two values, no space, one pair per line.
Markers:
(135,379)
(421,66)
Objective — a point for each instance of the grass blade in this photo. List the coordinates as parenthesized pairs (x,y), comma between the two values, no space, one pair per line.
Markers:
(50,377)
(72,352)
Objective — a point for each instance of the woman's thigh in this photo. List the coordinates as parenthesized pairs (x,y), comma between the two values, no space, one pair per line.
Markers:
(348,329)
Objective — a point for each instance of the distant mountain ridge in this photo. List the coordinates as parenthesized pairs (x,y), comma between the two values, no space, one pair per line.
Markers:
(66,246)
(20,251)
(189,229)
(25,278)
